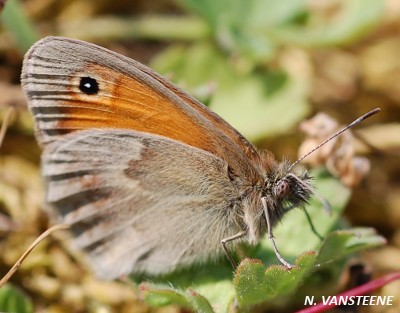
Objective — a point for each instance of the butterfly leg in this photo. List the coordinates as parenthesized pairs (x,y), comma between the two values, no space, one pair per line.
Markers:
(310,222)
(271,236)
(232,238)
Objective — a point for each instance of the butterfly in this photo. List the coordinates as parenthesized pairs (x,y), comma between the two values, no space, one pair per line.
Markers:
(148,178)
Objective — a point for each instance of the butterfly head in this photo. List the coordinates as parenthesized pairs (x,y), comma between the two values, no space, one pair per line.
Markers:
(285,189)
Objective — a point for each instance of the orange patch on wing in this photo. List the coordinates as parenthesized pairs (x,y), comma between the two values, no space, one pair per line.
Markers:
(124,102)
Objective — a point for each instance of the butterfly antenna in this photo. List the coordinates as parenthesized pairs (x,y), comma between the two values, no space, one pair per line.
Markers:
(359,120)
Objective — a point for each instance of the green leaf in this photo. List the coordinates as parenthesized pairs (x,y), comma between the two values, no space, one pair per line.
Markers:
(353,21)
(15,20)
(245,13)
(158,296)
(13,299)
(212,281)
(198,302)
(343,242)
(255,284)
(273,13)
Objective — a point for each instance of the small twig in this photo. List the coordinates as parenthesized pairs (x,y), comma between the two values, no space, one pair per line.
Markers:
(29,250)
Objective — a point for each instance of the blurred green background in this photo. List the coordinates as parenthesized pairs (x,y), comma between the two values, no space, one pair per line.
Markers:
(264,66)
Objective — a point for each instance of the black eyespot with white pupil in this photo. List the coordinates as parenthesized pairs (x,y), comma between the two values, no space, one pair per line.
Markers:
(89,85)
(282,189)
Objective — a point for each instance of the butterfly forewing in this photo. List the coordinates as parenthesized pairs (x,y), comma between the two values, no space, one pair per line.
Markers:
(127,95)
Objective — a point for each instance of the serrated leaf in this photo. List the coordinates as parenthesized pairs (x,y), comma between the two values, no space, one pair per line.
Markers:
(255,284)
(198,302)
(212,281)
(158,296)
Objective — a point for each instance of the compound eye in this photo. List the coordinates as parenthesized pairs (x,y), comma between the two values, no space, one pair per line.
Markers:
(282,189)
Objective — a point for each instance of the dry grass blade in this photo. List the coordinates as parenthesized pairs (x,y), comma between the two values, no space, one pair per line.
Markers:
(31,247)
